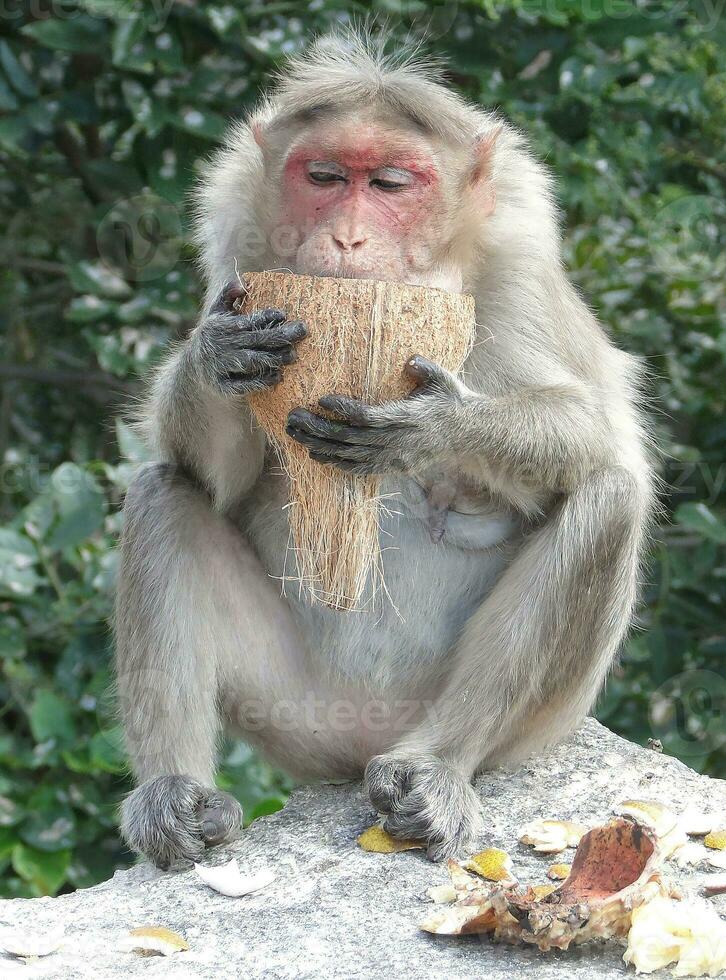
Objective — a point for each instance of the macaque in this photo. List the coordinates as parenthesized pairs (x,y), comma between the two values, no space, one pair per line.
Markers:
(518,495)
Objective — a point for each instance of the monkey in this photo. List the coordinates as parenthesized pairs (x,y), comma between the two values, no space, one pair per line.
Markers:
(518,494)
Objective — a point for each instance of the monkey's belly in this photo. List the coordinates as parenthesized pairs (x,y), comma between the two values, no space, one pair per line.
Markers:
(394,647)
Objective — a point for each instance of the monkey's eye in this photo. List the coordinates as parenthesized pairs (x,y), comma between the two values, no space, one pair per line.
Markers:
(325,173)
(391,179)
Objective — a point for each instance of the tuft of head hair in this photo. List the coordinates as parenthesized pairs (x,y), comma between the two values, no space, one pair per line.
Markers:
(348,70)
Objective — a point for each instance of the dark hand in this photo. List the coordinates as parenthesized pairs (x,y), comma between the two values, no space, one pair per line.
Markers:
(241,353)
(401,436)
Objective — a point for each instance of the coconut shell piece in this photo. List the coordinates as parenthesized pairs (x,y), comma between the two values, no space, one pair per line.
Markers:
(615,869)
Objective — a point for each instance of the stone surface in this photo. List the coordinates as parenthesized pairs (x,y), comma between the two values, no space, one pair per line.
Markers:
(336,911)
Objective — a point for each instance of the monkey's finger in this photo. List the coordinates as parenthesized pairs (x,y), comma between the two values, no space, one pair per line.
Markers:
(426,373)
(263,319)
(276,337)
(407,826)
(387,780)
(350,409)
(330,448)
(251,362)
(306,423)
(245,384)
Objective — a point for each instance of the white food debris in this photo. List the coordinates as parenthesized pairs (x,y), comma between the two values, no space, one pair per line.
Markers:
(24,944)
(687,935)
(227,879)
(551,836)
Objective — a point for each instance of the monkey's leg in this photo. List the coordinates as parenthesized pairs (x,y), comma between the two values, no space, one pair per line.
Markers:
(192,598)
(536,652)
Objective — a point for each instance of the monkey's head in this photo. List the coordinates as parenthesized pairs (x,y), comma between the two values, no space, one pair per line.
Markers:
(357,165)
(362,195)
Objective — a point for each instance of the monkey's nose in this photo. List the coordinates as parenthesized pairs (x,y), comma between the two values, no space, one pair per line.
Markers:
(348,243)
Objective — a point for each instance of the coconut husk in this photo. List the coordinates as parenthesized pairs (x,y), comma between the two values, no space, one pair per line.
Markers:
(360,335)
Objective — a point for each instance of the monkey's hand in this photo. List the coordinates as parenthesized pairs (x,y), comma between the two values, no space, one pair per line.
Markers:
(241,353)
(399,437)
(174,817)
(424,799)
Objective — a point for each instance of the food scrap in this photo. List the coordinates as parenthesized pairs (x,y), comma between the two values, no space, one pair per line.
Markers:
(551,836)
(379,841)
(441,894)
(688,934)
(697,823)
(227,879)
(542,891)
(492,864)
(615,869)
(650,814)
(154,941)
(716,840)
(28,945)
(558,872)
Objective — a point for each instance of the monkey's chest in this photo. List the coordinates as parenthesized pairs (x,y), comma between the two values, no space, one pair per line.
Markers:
(431,587)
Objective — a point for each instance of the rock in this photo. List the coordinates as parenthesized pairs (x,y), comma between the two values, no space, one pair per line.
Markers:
(336,911)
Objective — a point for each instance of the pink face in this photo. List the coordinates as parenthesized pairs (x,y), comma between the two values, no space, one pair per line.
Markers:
(360,203)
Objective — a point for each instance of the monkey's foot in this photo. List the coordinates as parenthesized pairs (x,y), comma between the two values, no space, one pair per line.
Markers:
(425,799)
(173,817)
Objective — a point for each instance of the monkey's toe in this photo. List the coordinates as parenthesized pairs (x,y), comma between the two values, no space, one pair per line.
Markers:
(220,819)
(386,781)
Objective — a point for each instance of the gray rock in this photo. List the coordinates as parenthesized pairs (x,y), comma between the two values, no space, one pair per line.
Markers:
(336,911)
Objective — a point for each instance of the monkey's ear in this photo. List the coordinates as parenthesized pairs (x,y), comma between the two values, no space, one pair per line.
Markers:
(480,175)
(258,133)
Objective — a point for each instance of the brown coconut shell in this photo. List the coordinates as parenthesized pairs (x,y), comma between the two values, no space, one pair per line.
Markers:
(360,334)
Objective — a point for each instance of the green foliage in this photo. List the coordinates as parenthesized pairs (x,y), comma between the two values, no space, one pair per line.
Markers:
(108,109)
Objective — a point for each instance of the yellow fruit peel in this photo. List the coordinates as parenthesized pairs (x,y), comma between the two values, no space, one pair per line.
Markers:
(155,941)
(542,891)
(492,864)
(378,841)
(558,872)
(716,840)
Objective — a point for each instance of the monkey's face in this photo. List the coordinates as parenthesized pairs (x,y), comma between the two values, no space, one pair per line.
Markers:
(361,202)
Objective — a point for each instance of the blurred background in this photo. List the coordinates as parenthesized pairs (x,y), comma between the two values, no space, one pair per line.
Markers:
(107,109)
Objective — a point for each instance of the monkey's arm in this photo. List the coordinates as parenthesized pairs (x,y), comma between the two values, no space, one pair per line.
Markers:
(208,435)
(197,416)
(546,436)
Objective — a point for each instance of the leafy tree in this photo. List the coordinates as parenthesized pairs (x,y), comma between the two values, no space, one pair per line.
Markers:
(108,108)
